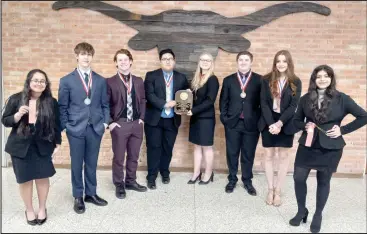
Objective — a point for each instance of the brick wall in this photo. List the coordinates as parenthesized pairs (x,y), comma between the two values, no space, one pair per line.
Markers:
(35,36)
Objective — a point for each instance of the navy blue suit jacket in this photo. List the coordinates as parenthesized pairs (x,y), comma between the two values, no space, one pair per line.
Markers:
(74,114)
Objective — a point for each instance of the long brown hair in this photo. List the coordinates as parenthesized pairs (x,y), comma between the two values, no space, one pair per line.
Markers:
(274,75)
(321,113)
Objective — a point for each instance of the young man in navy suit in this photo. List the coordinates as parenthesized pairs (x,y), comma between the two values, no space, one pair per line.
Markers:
(84,114)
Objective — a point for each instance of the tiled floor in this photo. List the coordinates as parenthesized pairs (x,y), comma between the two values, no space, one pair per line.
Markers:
(179,207)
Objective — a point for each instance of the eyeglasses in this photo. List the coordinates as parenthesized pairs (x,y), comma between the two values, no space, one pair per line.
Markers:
(206,60)
(41,82)
(167,59)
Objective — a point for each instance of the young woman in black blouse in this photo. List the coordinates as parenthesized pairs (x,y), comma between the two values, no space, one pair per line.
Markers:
(321,143)
(205,88)
(31,145)
(280,93)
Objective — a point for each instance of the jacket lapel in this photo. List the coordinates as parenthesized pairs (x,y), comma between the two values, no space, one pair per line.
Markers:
(79,84)
(137,94)
(120,86)
(94,84)
(162,82)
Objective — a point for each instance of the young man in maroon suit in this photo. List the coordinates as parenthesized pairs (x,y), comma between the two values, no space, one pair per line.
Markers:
(127,109)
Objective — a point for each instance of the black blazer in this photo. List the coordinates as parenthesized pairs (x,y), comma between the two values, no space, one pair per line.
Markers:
(155,93)
(17,145)
(204,99)
(288,106)
(341,105)
(231,104)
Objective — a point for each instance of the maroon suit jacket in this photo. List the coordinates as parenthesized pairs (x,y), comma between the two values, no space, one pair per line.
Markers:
(117,96)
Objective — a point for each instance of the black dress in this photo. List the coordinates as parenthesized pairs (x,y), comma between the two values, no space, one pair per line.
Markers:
(202,121)
(280,140)
(33,165)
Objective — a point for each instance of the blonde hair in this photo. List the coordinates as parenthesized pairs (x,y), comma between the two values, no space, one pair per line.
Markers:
(198,81)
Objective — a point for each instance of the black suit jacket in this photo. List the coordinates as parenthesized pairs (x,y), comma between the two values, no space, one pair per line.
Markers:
(288,106)
(155,93)
(231,104)
(341,105)
(18,145)
(204,99)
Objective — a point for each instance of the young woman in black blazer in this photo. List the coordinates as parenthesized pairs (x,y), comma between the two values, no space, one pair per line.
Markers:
(280,93)
(205,88)
(32,145)
(324,108)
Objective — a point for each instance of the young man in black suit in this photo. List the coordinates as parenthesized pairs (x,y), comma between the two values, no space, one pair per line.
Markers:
(161,123)
(239,106)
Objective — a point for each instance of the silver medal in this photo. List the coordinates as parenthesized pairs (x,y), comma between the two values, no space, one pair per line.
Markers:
(243,95)
(87,101)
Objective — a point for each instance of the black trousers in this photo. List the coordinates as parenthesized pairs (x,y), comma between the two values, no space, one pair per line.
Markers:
(300,176)
(160,140)
(238,139)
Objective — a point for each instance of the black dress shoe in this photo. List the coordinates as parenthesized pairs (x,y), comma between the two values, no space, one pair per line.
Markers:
(30,222)
(42,221)
(250,189)
(79,206)
(120,192)
(165,180)
(135,186)
(151,185)
(230,187)
(96,200)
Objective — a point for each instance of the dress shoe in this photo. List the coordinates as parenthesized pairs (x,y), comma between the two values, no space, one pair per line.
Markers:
(210,179)
(300,216)
(151,185)
(250,189)
(79,206)
(194,181)
(120,192)
(165,180)
(135,186)
(316,224)
(230,187)
(96,200)
(42,221)
(30,222)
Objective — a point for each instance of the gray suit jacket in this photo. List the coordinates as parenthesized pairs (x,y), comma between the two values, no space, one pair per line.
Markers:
(74,114)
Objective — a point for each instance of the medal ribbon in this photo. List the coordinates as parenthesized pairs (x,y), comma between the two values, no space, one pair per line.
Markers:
(86,89)
(243,86)
(127,85)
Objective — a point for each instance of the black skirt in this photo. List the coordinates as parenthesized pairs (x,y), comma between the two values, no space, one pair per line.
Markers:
(202,131)
(320,159)
(280,140)
(33,166)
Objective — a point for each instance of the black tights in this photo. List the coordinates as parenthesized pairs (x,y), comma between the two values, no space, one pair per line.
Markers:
(323,188)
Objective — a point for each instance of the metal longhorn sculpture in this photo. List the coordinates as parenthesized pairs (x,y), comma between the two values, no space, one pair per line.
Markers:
(189,33)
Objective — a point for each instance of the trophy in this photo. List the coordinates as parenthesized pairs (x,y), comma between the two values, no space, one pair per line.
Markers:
(183,100)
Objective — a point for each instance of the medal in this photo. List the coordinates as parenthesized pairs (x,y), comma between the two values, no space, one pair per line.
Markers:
(87,101)
(243,86)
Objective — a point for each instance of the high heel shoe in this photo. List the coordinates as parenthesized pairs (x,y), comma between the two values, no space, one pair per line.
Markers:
(42,221)
(210,179)
(270,197)
(30,222)
(316,224)
(298,218)
(194,181)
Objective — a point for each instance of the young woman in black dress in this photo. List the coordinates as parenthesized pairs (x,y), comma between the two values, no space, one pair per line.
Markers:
(205,88)
(31,145)
(280,93)
(324,108)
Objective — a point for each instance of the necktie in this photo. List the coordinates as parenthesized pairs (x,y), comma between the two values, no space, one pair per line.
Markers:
(129,113)
(86,79)
(168,94)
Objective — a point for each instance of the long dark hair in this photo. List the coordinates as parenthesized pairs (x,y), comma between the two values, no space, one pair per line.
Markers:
(45,107)
(321,113)
(275,74)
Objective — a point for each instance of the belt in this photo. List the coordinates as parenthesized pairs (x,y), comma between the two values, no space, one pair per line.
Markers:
(125,120)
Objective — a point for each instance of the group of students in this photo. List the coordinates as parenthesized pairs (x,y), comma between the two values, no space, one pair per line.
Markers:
(249,104)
